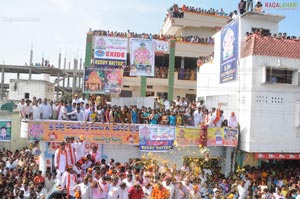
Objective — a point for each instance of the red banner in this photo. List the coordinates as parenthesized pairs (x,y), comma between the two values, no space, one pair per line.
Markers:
(278,156)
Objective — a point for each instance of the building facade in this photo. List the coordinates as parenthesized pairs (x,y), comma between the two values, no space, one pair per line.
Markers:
(264,94)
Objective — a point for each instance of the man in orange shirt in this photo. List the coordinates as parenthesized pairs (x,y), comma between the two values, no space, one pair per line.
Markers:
(160,192)
(39,179)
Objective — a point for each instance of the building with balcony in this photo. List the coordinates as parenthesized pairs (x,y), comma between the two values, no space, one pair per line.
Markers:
(198,29)
(261,86)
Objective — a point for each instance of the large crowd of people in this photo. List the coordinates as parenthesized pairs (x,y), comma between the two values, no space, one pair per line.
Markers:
(178,12)
(80,174)
(181,111)
(191,38)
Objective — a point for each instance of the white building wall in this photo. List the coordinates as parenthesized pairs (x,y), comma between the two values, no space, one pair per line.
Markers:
(275,111)
(38,88)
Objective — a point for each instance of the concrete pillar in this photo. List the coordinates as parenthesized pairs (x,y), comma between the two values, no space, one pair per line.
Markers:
(182,62)
(68,79)
(2,83)
(74,76)
(31,58)
(59,60)
(143,86)
(171,70)
(88,50)
(18,76)
(29,73)
(65,65)
(80,64)
(228,161)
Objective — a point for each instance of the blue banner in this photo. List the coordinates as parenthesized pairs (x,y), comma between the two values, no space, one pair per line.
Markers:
(156,138)
(229,52)
(5,130)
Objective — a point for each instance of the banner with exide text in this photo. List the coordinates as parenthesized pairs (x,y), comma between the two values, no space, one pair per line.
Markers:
(156,138)
(110,51)
(49,131)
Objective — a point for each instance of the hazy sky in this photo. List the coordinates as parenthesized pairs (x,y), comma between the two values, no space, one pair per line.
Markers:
(53,26)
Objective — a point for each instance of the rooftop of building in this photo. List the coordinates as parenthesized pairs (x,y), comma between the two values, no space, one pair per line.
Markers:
(270,46)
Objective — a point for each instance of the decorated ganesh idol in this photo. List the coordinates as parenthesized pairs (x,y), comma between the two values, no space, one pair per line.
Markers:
(142,55)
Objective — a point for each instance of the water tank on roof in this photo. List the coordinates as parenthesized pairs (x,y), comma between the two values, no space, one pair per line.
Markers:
(45,77)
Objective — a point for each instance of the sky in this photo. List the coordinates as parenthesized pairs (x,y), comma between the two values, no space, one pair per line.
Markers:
(53,26)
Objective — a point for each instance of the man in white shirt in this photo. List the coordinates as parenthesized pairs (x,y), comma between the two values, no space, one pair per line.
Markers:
(129,181)
(20,106)
(113,192)
(242,190)
(78,113)
(69,181)
(62,111)
(76,99)
(169,186)
(84,188)
(83,99)
(79,147)
(27,110)
(166,104)
(198,117)
(123,191)
(46,110)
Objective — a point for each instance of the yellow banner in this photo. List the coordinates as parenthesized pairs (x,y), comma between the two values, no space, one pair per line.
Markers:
(222,137)
(187,136)
(101,133)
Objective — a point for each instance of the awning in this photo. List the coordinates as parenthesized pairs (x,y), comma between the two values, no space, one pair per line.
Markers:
(278,156)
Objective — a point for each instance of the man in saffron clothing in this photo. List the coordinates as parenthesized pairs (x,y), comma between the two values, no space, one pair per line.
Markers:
(69,181)
(70,150)
(95,154)
(60,161)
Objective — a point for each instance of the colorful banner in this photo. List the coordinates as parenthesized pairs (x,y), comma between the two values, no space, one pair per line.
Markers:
(187,136)
(110,51)
(5,130)
(229,52)
(102,80)
(162,46)
(222,137)
(142,55)
(278,156)
(49,131)
(156,138)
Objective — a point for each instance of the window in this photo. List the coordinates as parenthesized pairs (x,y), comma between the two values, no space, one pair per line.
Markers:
(279,76)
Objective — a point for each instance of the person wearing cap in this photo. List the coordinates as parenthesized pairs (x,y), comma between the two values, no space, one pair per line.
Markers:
(79,147)
(69,181)
(60,160)
(195,193)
